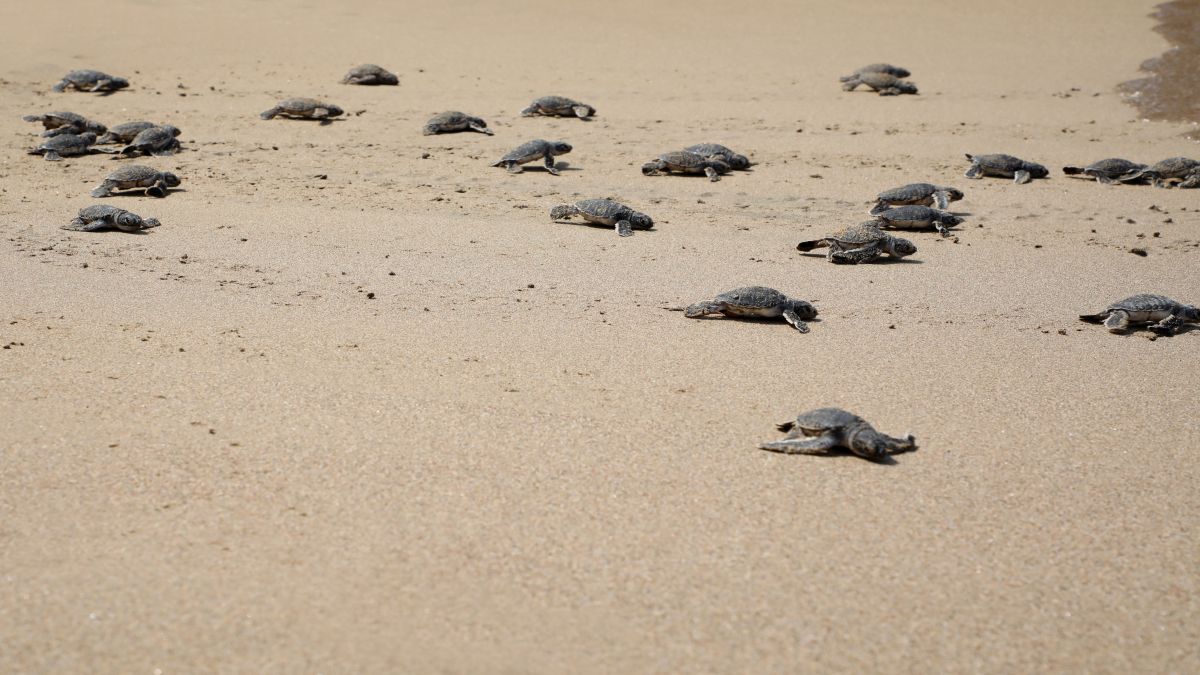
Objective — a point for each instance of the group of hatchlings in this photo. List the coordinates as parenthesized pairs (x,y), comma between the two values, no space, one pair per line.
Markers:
(917,206)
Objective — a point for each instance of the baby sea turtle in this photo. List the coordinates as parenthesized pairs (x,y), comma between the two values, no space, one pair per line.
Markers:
(57,123)
(66,145)
(124,133)
(1005,166)
(1182,169)
(453,121)
(818,431)
(685,162)
(369,73)
(103,217)
(605,212)
(157,141)
(91,80)
(1108,171)
(756,301)
(920,194)
(718,151)
(137,176)
(558,106)
(533,151)
(886,85)
(302,109)
(917,218)
(886,68)
(860,243)
(1164,314)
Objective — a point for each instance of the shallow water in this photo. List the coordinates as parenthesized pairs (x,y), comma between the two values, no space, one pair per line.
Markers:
(1171,91)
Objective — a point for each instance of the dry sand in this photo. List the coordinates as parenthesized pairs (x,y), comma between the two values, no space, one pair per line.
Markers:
(511,459)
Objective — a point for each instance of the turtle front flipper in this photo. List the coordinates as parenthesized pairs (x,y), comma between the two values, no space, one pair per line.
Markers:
(794,319)
(807,445)
(481,129)
(159,189)
(1021,176)
(624,227)
(79,225)
(712,173)
(702,308)
(581,111)
(941,199)
(1105,180)
(550,164)
(941,229)
(1117,321)
(1168,326)
(52,156)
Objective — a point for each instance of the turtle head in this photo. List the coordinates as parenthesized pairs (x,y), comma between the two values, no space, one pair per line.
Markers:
(174,131)
(949,219)
(88,137)
(1036,170)
(641,221)
(478,122)
(130,222)
(1189,313)
(560,147)
(96,127)
(906,87)
(561,211)
(737,161)
(334,111)
(170,179)
(953,193)
(870,444)
(117,83)
(902,247)
(804,309)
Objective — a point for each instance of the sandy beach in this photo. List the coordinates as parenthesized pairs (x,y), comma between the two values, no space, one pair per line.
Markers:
(359,405)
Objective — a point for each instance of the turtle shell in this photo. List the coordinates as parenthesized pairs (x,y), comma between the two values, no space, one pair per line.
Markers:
(815,422)
(859,235)
(1145,302)
(1114,167)
(752,297)
(682,159)
(909,193)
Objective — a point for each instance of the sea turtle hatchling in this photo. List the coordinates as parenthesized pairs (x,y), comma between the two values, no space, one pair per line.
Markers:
(91,80)
(66,145)
(124,133)
(917,218)
(718,151)
(533,151)
(1164,314)
(685,162)
(370,74)
(756,302)
(886,68)
(1182,169)
(1005,166)
(57,123)
(605,212)
(819,431)
(103,217)
(137,176)
(156,141)
(886,85)
(860,243)
(1109,171)
(558,106)
(919,194)
(302,109)
(453,121)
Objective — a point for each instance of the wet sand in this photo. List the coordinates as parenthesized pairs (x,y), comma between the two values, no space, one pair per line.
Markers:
(1169,90)
(510,458)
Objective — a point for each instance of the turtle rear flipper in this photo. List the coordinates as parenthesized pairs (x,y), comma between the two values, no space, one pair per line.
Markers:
(1094,318)
(1073,170)
(812,244)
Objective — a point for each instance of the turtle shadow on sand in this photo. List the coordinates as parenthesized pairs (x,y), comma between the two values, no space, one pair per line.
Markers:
(882,260)
(142,193)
